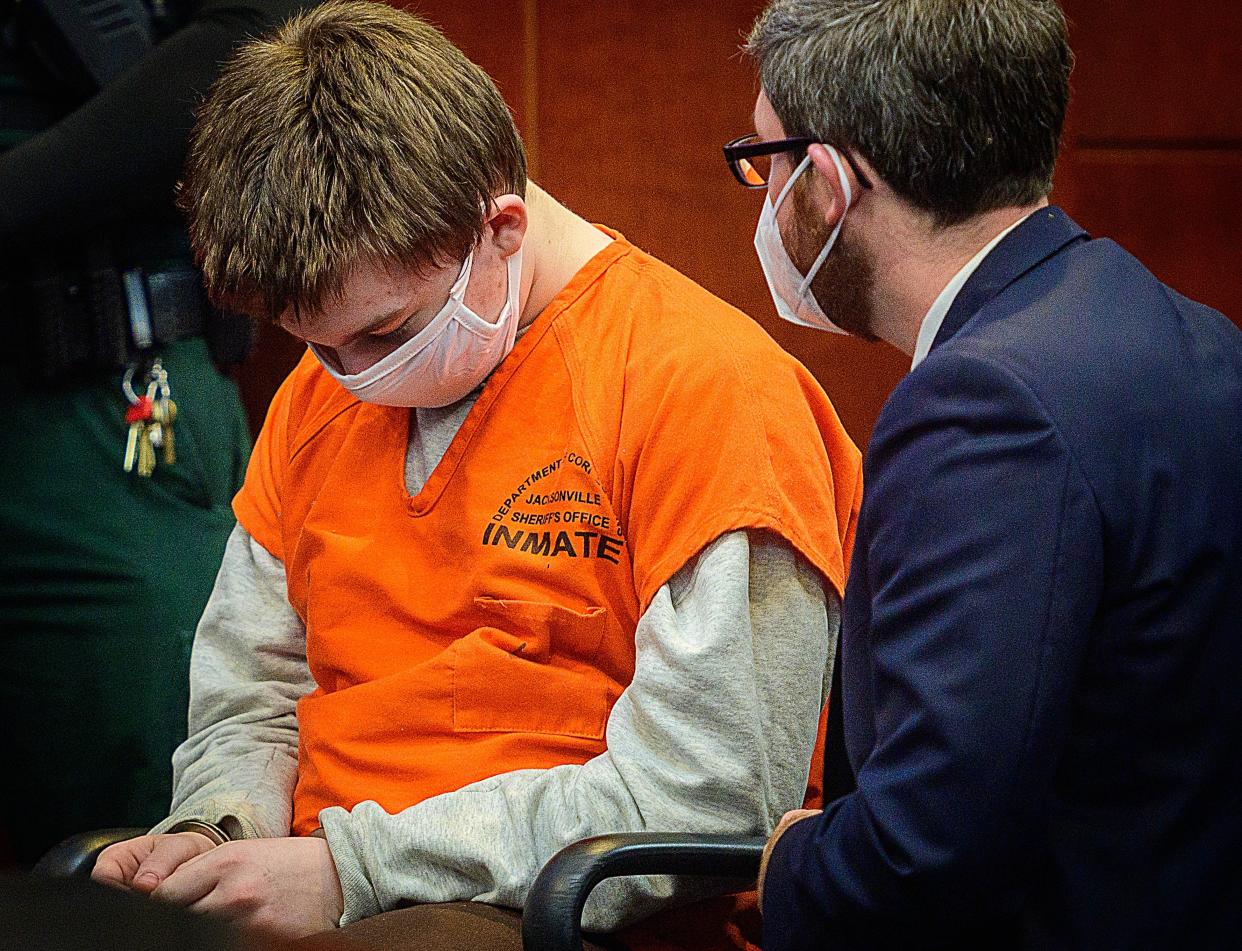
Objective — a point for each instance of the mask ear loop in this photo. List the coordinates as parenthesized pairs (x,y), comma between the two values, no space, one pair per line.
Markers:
(458,290)
(780,199)
(832,240)
(514,296)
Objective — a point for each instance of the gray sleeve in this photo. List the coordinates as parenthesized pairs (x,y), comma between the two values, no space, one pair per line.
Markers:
(238,766)
(713,735)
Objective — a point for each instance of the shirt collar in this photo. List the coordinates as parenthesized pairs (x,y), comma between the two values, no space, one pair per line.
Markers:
(940,307)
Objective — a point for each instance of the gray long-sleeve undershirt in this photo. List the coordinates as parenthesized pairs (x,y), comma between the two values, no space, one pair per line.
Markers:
(714,733)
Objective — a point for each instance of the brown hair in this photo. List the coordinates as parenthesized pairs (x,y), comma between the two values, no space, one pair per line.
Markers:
(355,132)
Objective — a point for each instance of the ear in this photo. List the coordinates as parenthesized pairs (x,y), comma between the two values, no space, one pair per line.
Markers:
(826,188)
(507,218)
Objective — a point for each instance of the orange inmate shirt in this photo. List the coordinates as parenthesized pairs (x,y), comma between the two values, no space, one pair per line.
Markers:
(487,623)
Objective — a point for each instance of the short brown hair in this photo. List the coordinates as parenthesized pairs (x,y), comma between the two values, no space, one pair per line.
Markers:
(958,104)
(355,132)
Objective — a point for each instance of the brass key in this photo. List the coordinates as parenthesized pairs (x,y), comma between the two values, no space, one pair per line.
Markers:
(146,452)
(170,444)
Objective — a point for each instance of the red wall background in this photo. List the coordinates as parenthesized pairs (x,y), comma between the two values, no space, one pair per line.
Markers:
(624,106)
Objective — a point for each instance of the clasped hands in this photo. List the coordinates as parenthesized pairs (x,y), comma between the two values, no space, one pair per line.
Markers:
(283,887)
(286,888)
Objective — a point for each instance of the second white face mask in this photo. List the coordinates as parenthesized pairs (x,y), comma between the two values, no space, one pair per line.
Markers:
(791,291)
(448,358)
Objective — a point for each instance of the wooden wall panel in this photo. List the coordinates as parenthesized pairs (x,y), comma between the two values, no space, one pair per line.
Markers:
(1151,71)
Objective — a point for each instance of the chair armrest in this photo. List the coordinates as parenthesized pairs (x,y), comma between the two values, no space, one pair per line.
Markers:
(552,920)
(75,857)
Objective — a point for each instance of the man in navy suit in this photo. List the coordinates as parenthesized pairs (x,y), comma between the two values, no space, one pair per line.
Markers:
(1041,655)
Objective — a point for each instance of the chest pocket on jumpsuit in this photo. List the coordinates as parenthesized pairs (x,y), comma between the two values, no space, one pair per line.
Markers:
(520,675)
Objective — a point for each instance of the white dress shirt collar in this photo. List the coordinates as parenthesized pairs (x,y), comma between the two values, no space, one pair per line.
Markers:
(940,307)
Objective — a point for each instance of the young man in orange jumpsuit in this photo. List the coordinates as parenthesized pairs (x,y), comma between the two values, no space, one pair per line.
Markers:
(540,540)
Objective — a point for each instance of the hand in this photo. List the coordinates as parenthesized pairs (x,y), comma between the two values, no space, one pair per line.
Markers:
(143,863)
(782,827)
(286,888)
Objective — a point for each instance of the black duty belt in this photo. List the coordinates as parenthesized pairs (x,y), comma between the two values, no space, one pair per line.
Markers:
(105,319)
(176,305)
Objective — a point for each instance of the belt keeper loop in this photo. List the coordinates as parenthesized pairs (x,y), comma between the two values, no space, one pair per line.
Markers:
(139,308)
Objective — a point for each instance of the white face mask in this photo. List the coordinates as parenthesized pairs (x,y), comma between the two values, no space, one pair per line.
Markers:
(448,358)
(790,290)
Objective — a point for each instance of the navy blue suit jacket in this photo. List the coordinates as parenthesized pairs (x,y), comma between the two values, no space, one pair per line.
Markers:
(1042,640)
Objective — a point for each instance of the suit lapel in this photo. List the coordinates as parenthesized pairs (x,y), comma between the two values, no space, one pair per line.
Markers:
(1029,245)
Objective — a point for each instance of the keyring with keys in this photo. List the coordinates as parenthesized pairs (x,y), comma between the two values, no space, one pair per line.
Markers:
(150,416)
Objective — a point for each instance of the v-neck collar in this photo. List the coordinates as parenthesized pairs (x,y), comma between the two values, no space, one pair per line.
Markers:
(433,488)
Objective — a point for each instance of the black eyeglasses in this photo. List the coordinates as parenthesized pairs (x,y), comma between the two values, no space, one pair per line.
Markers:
(750,160)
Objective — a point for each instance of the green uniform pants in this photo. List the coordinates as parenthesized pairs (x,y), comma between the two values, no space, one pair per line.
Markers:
(103,577)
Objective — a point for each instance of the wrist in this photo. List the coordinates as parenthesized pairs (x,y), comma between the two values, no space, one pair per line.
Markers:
(209,829)
(791,829)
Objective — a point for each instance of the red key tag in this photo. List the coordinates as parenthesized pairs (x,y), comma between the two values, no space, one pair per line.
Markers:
(140,410)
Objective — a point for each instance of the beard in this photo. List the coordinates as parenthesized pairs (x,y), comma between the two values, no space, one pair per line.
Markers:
(844,283)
